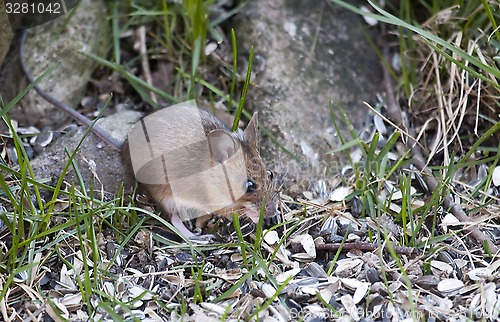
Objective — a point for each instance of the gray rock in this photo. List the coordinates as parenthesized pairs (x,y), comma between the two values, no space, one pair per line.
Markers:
(6,33)
(310,54)
(99,164)
(59,41)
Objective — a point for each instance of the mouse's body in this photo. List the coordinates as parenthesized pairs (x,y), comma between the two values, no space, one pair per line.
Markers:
(197,188)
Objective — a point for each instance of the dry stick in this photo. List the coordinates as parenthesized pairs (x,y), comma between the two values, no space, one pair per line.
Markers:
(143,51)
(396,114)
(409,251)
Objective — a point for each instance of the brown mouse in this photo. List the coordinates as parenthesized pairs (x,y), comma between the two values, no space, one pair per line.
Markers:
(189,188)
(249,181)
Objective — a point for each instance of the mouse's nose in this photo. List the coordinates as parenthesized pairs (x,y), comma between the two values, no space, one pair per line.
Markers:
(275,216)
(271,209)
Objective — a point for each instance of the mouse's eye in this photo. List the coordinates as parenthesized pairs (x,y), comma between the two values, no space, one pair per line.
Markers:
(251,186)
(270,174)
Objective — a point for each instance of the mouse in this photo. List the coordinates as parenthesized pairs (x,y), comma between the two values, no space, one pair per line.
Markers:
(233,156)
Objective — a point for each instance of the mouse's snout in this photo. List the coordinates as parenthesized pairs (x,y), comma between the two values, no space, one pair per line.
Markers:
(271,208)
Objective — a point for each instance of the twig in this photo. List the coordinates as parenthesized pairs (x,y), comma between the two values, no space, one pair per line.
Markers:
(395,113)
(409,251)
(100,132)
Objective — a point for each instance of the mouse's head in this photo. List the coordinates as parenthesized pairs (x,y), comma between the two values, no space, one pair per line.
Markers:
(259,188)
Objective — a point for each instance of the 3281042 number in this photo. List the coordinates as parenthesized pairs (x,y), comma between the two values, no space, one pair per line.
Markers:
(33,8)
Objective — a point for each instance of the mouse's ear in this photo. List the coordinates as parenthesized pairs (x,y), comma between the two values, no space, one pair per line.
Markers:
(222,145)
(251,132)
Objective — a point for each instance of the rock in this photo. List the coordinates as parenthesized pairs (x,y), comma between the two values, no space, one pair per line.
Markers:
(5,32)
(59,40)
(310,53)
(109,167)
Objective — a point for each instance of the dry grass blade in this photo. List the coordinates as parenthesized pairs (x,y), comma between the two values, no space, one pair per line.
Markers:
(142,49)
